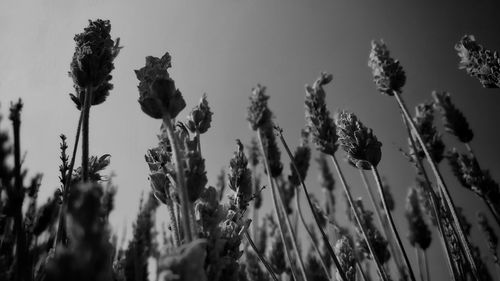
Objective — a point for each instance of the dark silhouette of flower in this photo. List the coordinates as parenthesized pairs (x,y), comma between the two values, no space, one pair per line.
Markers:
(388,74)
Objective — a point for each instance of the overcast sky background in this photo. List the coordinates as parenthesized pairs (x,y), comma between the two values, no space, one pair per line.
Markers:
(224,48)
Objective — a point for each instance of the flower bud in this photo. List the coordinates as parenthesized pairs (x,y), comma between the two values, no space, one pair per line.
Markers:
(200,117)
(359,142)
(157,93)
(388,74)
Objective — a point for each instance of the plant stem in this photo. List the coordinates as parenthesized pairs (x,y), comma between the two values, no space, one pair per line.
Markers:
(361,272)
(293,239)
(431,195)
(449,201)
(173,223)
(17,201)
(261,258)
(426,265)
(309,234)
(85,133)
(275,205)
(391,222)
(342,273)
(380,269)
(181,183)
(383,224)
(60,233)
(419,262)
(491,207)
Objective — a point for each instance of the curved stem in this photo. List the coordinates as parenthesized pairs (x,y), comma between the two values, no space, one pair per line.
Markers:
(85,133)
(275,205)
(181,183)
(391,222)
(310,235)
(261,258)
(293,239)
(446,194)
(426,266)
(342,274)
(380,269)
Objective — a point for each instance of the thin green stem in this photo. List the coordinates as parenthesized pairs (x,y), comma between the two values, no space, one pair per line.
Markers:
(310,235)
(380,269)
(181,183)
(85,133)
(260,256)
(275,205)
(391,222)
(342,273)
(447,197)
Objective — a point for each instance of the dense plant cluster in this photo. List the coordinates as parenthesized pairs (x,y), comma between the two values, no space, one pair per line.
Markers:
(216,233)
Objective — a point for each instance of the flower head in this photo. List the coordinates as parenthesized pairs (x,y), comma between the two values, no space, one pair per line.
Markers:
(239,177)
(388,74)
(157,92)
(359,142)
(258,112)
(346,256)
(186,262)
(200,117)
(301,157)
(378,242)
(489,234)
(319,123)
(479,62)
(454,121)
(92,61)
(419,231)
(424,121)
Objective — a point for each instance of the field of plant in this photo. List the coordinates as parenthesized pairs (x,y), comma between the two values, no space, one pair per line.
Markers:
(221,232)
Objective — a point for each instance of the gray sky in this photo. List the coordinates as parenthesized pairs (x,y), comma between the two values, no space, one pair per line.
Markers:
(224,48)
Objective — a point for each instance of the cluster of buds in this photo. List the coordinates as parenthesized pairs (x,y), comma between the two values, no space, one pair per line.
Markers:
(347,259)
(479,62)
(92,62)
(319,123)
(200,117)
(419,231)
(379,243)
(239,177)
(360,144)
(260,118)
(158,95)
(454,121)
(387,72)
(160,166)
(471,176)
(301,158)
(424,121)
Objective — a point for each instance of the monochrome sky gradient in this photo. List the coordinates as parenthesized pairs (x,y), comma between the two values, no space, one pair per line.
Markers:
(224,48)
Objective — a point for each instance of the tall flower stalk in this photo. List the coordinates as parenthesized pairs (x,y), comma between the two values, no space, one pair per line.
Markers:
(389,78)
(363,150)
(323,132)
(160,99)
(260,119)
(91,66)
